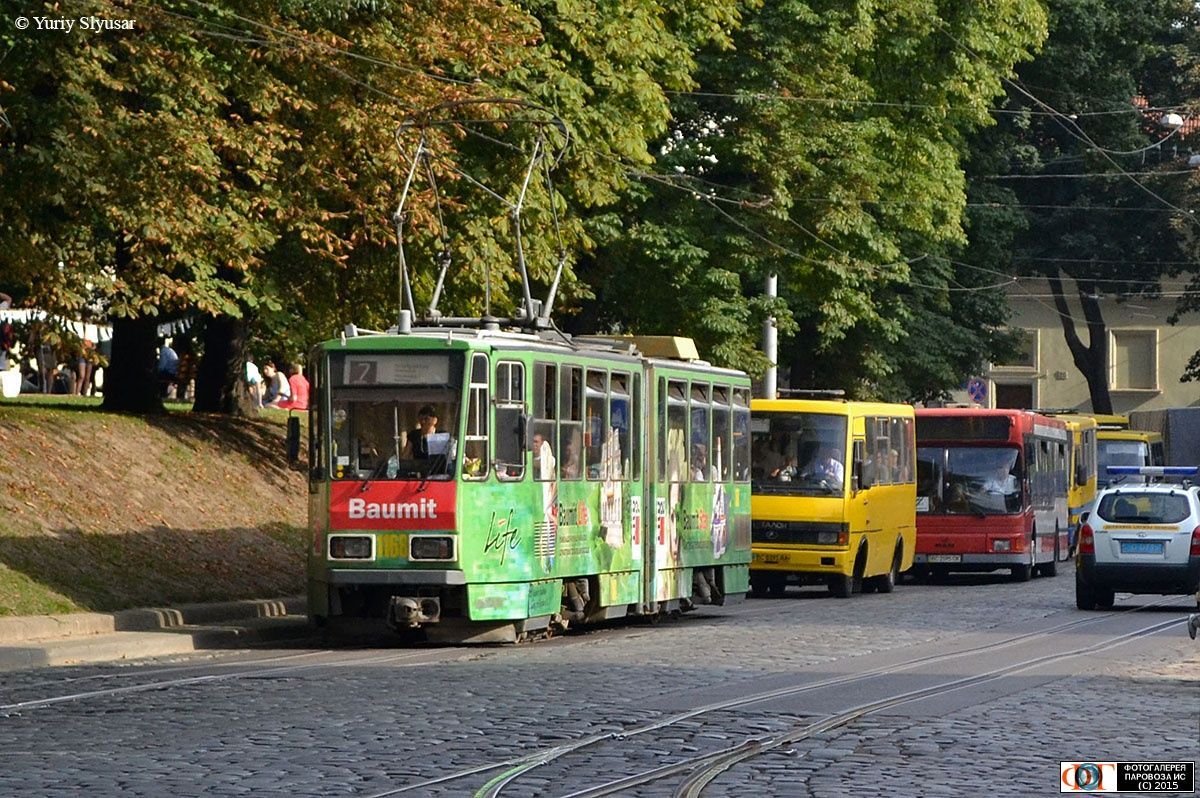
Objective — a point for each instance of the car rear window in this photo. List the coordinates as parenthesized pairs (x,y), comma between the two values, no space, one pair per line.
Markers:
(1143,508)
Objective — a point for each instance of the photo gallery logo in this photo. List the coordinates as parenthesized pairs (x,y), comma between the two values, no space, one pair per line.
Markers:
(1087,777)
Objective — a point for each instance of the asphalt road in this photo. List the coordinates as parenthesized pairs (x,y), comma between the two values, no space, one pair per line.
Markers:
(978,685)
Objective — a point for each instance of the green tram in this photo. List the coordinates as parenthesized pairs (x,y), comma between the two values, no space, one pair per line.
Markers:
(484,485)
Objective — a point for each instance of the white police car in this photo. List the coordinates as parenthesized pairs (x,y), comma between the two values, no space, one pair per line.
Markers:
(1140,538)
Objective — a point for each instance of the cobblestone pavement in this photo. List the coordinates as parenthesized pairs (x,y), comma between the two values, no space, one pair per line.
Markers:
(367,722)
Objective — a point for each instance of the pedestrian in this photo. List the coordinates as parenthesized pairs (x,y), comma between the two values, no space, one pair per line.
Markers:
(298,385)
(168,368)
(254,382)
(8,341)
(84,366)
(277,388)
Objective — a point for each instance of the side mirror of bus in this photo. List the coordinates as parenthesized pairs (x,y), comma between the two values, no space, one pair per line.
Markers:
(293,440)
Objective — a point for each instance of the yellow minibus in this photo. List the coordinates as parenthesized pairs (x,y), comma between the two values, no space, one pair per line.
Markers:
(833,496)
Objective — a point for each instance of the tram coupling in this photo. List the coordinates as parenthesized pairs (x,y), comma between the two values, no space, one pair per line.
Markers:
(409,613)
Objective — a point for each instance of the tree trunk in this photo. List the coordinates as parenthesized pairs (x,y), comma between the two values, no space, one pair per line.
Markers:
(131,379)
(1091,360)
(221,377)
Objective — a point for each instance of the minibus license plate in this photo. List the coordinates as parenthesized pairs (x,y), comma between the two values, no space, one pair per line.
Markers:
(1138,547)
(771,559)
(945,558)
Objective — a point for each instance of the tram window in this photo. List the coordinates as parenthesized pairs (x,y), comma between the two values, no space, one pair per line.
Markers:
(721,450)
(661,429)
(545,424)
(635,445)
(394,416)
(595,424)
(741,435)
(475,442)
(676,429)
(318,469)
(619,420)
(700,440)
(570,397)
(510,407)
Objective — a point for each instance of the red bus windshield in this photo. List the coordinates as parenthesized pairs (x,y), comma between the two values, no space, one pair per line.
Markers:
(969,480)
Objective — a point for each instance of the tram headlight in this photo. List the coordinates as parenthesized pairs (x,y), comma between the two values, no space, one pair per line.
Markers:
(350,547)
(431,547)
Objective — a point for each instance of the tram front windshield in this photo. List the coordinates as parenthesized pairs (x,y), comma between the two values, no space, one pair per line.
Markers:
(799,454)
(969,480)
(394,415)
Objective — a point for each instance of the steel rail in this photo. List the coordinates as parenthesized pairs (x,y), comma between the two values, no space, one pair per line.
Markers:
(208,678)
(695,784)
(521,765)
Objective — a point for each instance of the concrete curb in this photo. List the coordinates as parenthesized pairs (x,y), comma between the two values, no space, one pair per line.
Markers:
(17,630)
(116,646)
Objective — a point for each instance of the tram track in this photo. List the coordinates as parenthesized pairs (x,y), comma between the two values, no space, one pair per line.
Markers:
(166,684)
(693,786)
(518,767)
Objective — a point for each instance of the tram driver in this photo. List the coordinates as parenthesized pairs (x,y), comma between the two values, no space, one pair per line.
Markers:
(417,443)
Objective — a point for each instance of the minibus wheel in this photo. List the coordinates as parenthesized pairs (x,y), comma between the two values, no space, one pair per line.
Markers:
(886,583)
(843,586)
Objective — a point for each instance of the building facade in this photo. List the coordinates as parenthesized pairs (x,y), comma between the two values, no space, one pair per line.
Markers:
(1146,355)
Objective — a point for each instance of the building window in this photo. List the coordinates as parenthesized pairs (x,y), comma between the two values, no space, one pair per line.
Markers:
(1025,353)
(1133,360)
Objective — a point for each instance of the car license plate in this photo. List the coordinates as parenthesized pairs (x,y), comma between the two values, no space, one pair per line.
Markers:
(945,558)
(1139,547)
(771,559)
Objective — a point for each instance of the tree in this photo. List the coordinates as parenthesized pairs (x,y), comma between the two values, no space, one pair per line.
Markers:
(1099,57)
(825,149)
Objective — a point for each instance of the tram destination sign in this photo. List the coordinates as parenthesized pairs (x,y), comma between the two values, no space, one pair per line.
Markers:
(360,370)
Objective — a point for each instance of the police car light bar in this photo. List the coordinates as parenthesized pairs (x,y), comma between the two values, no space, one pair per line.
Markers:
(1154,471)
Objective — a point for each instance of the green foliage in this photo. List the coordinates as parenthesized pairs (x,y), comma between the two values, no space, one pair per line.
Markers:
(1099,56)
(824,148)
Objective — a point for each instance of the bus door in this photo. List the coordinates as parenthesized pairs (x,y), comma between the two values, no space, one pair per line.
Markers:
(858,486)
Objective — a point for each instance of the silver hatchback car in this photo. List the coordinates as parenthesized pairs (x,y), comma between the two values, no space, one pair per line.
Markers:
(1139,539)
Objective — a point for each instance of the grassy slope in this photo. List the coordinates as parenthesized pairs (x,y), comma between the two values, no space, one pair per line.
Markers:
(101,511)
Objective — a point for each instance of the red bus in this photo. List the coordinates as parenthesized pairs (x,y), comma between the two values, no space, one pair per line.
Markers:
(991,491)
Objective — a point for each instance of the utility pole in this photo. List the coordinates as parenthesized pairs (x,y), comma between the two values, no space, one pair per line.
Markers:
(771,343)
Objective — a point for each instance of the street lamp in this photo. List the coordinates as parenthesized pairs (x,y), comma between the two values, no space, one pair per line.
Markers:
(1171,121)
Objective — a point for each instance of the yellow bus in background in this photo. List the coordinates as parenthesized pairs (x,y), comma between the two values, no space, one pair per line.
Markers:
(834,494)
(1081,492)
(1126,447)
